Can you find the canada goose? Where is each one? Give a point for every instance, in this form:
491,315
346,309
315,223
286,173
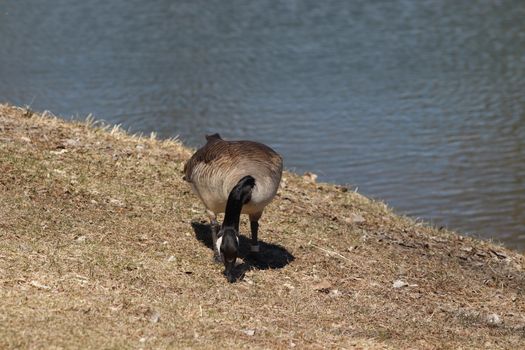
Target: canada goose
243,174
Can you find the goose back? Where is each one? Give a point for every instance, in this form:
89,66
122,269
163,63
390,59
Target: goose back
218,166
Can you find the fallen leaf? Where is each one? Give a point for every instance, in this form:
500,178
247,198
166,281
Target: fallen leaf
355,219
70,142
116,202
335,293
289,286
154,317
399,284
80,238
323,286
249,332
493,320
310,177
39,285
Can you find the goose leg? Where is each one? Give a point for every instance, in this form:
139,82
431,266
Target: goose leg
254,227
214,230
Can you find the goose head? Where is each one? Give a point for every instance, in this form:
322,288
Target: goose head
228,247
228,236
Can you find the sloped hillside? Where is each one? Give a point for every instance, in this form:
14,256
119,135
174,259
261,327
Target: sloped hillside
103,245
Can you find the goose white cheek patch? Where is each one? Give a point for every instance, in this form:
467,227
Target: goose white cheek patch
218,244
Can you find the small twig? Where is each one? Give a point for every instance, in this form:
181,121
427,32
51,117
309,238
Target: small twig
498,255
331,252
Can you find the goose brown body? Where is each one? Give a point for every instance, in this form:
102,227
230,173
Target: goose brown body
217,167
234,177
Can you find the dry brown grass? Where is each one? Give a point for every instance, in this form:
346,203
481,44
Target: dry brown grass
98,250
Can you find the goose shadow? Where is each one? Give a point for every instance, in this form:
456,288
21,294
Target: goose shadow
271,256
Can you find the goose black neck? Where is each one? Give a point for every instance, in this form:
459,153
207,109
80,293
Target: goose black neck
239,195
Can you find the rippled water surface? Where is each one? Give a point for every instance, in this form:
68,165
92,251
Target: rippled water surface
418,103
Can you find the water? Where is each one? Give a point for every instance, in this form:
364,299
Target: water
418,103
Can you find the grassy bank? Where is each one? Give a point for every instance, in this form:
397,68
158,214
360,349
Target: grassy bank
103,245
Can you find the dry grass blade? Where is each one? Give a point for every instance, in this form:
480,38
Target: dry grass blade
334,253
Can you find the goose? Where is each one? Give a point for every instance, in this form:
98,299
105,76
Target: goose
233,177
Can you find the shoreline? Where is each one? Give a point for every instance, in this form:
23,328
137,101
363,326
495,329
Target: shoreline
104,245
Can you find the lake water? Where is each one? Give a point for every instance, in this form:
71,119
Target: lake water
418,103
